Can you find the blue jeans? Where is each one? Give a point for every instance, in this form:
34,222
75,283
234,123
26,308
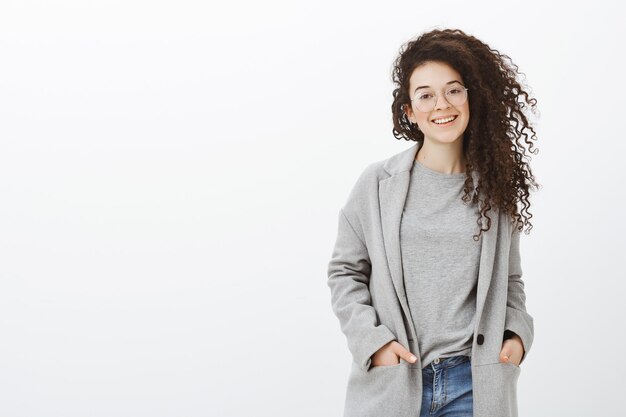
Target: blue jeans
447,388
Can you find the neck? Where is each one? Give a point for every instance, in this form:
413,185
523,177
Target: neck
447,158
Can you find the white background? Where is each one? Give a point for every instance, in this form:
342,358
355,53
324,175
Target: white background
170,179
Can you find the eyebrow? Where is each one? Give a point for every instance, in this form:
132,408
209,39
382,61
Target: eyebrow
427,86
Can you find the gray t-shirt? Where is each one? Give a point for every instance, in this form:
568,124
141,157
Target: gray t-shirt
440,262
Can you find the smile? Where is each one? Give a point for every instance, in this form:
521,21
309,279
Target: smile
446,121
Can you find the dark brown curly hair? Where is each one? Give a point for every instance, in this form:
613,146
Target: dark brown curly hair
492,142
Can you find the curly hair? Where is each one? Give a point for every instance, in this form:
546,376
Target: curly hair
492,141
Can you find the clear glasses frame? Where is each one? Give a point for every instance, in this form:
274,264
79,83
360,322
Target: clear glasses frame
464,99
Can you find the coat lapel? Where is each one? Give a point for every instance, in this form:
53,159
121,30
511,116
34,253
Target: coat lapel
392,192
392,195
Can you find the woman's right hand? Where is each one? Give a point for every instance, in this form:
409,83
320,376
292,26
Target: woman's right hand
390,355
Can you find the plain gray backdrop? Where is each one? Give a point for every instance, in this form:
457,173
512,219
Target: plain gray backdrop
170,179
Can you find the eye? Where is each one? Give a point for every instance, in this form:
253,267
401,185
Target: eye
424,96
454,91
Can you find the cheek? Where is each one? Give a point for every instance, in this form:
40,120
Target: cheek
466,119
422,119
466,115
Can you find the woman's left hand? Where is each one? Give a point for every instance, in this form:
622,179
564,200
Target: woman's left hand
513,349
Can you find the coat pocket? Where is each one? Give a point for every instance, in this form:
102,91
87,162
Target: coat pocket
511,364
495,389
384,390
375,368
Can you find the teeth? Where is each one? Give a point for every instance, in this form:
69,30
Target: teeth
439,121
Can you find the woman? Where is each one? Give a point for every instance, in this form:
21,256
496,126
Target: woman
425,276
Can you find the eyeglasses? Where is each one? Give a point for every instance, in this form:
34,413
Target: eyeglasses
426,100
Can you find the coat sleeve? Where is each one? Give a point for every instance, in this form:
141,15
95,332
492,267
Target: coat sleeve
348,278
518,321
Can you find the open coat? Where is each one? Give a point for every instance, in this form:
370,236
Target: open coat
365,277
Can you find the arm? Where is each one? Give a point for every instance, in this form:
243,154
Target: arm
348,278
518,321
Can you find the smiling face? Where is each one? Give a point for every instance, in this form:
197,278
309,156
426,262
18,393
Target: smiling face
437,77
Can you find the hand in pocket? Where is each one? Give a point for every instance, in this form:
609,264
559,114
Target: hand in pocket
390,355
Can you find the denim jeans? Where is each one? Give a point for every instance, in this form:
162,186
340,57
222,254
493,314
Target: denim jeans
447,388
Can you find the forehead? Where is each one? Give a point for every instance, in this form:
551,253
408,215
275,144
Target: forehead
433,74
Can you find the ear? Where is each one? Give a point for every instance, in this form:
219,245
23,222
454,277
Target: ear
409,113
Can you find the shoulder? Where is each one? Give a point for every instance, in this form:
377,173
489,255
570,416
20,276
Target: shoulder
367,180
382,169
363,195
362,199
369,177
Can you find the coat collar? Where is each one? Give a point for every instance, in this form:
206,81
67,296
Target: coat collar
402,161
392,193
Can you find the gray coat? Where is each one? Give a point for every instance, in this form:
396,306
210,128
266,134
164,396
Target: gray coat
368,297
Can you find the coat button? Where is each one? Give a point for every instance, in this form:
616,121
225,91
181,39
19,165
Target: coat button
480,339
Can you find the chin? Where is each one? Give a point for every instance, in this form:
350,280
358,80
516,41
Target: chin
447,138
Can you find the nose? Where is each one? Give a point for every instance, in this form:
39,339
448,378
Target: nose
445,102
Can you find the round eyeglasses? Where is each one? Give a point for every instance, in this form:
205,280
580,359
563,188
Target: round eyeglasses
426,100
